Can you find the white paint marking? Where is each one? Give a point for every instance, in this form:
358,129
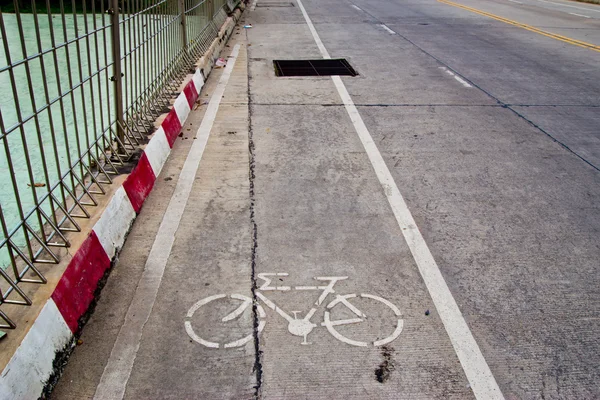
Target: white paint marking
265,286
356,7
568,5
515,1
306,288
118,369
329,325
478,372
329,288
192,334
247,301
237,343
273,307
391,32
310,314
344,300
393,336
384,301
241,342
344,322
462,81
579,15
458,78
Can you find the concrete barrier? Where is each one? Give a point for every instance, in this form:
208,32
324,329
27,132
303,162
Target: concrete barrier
51,335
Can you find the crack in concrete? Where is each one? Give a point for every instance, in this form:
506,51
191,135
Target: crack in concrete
254,231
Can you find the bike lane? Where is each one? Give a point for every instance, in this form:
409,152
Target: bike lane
320,211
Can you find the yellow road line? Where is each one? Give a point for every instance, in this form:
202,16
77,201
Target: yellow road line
525,26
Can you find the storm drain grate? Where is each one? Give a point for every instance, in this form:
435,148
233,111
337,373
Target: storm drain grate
324,67
275,4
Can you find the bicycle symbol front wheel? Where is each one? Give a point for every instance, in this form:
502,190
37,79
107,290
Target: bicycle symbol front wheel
343,299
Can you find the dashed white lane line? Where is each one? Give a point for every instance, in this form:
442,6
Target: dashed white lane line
458,78
118,369
515,1
356,7
476,369
568,5
580,15
391,32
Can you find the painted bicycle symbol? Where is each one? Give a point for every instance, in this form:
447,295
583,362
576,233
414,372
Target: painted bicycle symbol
297,327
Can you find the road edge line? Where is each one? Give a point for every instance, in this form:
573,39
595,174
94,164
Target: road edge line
476,369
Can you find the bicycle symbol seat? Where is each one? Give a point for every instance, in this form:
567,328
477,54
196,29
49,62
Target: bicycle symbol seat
297,327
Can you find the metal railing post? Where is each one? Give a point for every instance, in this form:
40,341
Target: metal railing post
117,75
183,24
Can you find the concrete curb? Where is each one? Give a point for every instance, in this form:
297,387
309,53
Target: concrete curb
29,369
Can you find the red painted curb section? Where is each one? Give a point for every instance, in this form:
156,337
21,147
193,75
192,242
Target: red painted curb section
75,290
139,183
172,126
190,93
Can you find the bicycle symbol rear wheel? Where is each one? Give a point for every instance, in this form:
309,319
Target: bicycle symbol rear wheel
246,302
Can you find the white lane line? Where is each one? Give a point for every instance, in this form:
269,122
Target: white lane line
579,15
357,7
391,32
118,369
568,5
515,1
458,78
476,369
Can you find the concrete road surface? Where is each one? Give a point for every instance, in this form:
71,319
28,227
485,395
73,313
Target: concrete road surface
428,229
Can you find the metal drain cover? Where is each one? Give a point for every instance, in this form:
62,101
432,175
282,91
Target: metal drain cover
275,4
323,67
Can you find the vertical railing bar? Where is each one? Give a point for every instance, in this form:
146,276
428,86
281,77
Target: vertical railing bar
50,114
61,101
106,78
38,205
89,69
82,87
17,103
99,76
70,79
117,77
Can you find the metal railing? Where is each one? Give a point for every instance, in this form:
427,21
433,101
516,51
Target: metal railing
82,83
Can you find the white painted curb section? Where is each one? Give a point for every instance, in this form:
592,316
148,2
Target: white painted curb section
158,150
31,365
113,225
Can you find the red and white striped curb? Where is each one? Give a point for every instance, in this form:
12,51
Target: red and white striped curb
32,364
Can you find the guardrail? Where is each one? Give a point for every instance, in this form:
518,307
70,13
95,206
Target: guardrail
82,83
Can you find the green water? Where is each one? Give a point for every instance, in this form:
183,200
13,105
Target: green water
70,125
70,136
